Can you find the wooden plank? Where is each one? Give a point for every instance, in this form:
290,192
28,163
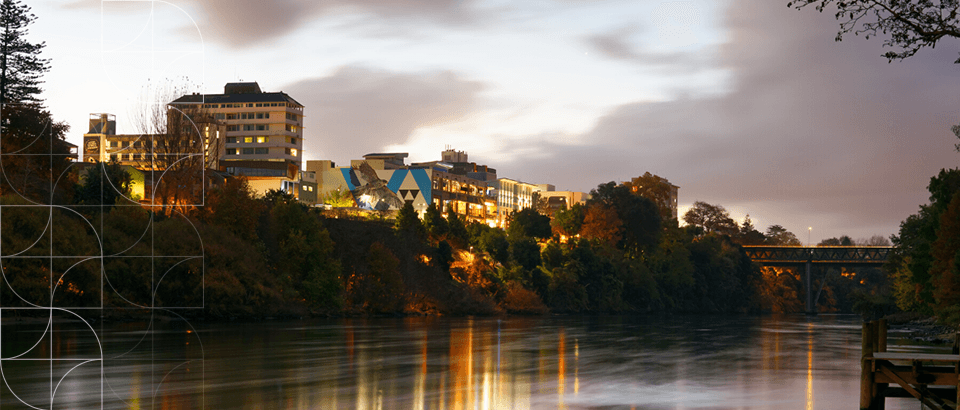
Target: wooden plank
942,392
906,386
906,374
926,357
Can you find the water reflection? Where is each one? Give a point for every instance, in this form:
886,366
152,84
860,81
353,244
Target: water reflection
456,364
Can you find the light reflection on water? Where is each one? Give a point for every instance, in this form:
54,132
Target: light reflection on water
601,362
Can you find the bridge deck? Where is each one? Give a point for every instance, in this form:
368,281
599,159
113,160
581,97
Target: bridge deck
838,255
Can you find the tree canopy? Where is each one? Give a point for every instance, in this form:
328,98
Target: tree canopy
712,218
908,25
20,62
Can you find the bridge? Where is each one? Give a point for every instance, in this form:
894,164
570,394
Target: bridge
807,256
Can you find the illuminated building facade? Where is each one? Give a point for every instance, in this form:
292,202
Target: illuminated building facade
512,196
381,181
102,144
263,134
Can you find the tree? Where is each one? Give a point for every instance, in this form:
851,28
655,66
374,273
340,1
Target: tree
640,216
749,235
601,223
35,154
434,223
103,185
408,223
182,142
657,189
911,25
529,223
945,270
712,218
567,222
778,235
843,240
20,62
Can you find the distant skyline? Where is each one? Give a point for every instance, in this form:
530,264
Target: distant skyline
746,104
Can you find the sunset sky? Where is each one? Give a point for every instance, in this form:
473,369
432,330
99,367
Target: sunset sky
742,103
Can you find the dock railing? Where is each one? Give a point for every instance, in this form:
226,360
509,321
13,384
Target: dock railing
931,378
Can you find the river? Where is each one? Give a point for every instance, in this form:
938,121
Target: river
553,362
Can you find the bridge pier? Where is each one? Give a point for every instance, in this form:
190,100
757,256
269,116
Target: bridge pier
807,256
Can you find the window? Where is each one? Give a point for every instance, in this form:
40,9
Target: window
233,128
248,140
220,116
292,152
259,105
261,140
231,116
136,144
113,144
291,117
249,105
262,151
125,144
231,151
248,127
261,127
259,115
231,140
248,151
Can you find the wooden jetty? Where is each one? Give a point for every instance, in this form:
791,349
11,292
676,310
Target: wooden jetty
931,378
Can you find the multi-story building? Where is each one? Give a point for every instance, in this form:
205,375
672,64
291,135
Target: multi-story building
381,181
200,141
512,196
263,135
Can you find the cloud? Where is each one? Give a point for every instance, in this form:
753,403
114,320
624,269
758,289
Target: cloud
244,23
617,45
812,133
359,110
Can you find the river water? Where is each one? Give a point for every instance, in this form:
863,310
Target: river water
578,362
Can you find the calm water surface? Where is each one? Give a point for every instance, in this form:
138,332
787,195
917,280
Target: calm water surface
606,362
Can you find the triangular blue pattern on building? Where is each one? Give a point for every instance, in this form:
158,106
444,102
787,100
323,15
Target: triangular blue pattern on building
350,178
396,180
423,181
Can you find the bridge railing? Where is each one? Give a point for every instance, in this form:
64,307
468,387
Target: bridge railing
793,255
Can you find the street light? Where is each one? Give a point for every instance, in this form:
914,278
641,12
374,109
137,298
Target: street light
809,232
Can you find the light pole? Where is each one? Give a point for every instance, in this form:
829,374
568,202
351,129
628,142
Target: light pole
809,232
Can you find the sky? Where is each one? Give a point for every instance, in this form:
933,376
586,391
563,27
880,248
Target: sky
747,104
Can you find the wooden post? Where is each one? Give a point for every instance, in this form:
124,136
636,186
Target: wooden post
867,397
881,343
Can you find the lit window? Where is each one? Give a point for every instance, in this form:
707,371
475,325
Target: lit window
261,140
293,152
248,140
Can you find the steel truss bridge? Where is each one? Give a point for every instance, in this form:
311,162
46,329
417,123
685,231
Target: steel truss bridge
807,256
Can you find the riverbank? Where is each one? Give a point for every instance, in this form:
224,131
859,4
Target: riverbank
920,328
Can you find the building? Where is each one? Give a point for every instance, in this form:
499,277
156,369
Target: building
196,140
382,181
263,134
556,200
512,196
